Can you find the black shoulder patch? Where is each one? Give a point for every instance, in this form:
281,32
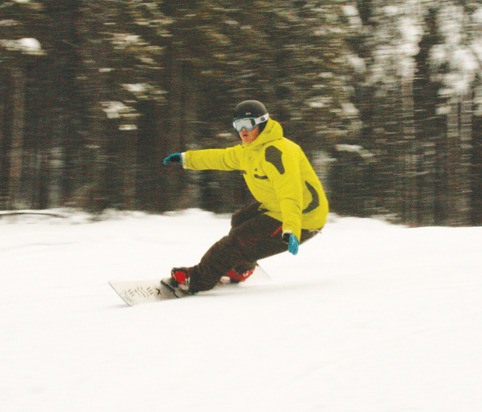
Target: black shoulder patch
274,156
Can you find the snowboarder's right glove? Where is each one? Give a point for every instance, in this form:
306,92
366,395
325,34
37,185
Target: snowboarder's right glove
292,242
173,158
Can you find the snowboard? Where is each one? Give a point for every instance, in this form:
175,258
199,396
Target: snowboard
135,292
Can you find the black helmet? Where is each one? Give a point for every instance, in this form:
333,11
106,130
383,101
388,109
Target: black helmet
249,108
255,111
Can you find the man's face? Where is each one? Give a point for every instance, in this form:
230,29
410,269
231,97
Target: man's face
248,136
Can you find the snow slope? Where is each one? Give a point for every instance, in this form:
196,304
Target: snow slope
367,317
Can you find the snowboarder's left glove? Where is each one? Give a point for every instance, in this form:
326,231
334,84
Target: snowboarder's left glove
173,158
292,242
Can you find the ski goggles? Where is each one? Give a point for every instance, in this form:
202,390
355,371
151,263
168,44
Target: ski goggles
249,123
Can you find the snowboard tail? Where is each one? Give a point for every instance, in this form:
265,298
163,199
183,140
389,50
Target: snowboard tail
138,291
134,292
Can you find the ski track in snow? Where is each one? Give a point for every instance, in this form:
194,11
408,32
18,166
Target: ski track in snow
367,317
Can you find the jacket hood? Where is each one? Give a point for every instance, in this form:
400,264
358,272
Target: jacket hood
272,131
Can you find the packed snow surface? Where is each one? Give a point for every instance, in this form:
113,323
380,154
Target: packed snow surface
368,316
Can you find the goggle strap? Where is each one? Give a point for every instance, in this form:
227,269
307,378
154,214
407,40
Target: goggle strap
262,119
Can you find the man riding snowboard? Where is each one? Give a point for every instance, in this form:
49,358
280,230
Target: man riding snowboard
290,207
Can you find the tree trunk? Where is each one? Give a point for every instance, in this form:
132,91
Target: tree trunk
3,144
411,189
465,187
172,177
18,104
129,160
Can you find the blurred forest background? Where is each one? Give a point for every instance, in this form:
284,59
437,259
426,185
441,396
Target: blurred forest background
384,96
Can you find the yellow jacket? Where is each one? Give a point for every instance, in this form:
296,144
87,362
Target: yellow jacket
277,173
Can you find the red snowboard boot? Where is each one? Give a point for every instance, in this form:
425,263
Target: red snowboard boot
237,275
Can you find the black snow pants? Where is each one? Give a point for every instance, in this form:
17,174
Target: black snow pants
253,236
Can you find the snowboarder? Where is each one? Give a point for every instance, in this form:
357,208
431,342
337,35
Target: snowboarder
290,207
